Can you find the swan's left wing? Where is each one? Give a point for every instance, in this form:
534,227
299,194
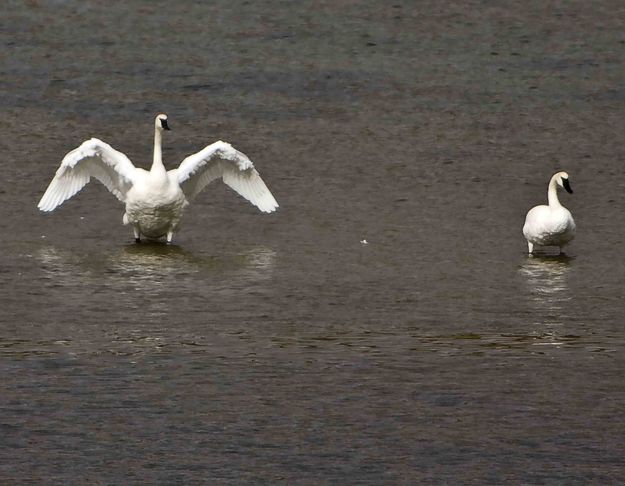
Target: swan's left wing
220,159
93,158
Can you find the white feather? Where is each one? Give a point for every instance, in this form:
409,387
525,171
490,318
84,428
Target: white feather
551,225
155,200
220,159
93,158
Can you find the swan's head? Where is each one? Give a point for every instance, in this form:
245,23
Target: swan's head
161,122
562,179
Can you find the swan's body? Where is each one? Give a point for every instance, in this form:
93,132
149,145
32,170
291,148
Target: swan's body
550,225
155,199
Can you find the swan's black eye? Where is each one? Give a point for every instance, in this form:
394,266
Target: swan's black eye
164,124
567,186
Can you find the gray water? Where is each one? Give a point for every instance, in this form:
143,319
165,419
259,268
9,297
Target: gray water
279,348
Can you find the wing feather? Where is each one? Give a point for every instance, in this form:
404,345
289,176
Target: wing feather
220,159
93,158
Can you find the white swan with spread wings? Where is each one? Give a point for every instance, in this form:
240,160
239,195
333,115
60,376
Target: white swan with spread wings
155,199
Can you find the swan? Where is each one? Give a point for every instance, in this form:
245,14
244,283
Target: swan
155,199
550,225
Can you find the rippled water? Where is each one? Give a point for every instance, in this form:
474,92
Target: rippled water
280,348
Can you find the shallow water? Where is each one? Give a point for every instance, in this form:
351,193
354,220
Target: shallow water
279,348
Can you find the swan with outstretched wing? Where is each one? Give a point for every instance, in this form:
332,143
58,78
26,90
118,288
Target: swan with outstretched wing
155,199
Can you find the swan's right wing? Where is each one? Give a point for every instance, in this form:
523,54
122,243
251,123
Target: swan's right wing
93,158
220,159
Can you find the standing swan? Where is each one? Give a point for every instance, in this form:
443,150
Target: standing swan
155,199
550,225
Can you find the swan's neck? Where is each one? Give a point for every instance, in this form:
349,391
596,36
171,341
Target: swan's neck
157,163
552,194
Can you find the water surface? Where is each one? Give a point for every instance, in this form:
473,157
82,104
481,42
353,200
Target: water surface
279,348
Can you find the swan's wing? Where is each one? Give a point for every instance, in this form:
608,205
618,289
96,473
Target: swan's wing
220,159
93,158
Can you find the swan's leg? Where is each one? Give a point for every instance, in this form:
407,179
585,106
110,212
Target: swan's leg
135,230
170,235
530,247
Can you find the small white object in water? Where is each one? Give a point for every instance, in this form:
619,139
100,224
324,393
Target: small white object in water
155,199
364,242
550,225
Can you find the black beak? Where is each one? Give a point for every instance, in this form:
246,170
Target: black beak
567,186
165,125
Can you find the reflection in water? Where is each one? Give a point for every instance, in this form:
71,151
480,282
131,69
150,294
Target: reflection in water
62,268
545,278
146,261
150,265
151,280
